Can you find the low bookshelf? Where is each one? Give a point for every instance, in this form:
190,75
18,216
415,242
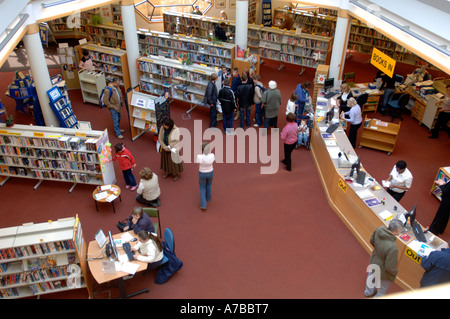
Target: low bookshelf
443,173
379,135
56,154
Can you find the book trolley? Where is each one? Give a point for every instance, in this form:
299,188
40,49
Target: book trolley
92,82
43,258
56,154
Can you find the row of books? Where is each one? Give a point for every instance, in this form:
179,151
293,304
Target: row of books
110,42
49,154
46,286
34,276
61,175
112,69
187,46
28,141
48,163
105,57
104,32
9,170
37,249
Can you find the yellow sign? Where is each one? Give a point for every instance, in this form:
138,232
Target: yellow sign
383,62
342,185
79,134
413,255
38,134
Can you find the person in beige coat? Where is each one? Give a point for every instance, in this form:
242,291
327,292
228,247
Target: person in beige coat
169,137
112,98
148,190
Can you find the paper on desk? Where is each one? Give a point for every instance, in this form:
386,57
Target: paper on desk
126,237
128,267
385,214
421,247
330,143
385,183
334,151
111,197
364,193
105,187
101,195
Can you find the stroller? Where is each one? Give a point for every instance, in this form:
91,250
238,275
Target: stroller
304,136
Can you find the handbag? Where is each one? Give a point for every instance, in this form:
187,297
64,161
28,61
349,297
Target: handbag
122,224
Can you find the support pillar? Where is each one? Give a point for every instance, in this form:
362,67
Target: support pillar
39,71
131,39
340,43
241,26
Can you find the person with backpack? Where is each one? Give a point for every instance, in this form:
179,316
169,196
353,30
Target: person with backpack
228,102
257,99
111,97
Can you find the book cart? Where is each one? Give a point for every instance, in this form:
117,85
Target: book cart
43,258
56,154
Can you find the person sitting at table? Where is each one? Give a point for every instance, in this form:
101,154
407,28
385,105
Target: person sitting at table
148,191
342,99
354,117
139,221
150,249
400,181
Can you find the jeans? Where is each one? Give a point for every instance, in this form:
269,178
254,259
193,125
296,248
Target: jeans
116,121
246,111
213,116
227,121
388,94
302,139
205,181
288,148
270,122
258,114
129,177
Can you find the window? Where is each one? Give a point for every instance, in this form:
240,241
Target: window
154,9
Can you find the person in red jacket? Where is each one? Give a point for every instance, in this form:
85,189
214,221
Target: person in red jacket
127,163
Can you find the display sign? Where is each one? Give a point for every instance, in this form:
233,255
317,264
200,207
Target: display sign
383,62
342,185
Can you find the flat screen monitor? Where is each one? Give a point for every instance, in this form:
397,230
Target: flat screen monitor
329,116
356,166
411,216
112,246
329,83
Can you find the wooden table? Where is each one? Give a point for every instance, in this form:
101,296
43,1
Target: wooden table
114,190
96,255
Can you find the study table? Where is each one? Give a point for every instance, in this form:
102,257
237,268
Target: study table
95,257
347,199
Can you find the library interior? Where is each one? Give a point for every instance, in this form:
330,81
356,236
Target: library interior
296,136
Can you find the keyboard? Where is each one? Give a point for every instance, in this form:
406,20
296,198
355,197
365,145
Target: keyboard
127,248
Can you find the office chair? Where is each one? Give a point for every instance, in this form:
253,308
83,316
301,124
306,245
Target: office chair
349,75
168,237
395,106
362,99
154,213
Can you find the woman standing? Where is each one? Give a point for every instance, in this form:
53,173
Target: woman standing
148,190
205,174
150,249
303,97
342,100
289,137
169,137
354,117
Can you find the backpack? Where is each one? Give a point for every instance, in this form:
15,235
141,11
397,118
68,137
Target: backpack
100,100
262,88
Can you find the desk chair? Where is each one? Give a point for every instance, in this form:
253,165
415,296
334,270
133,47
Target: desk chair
362,99
154,213
395,106
168,237
347,76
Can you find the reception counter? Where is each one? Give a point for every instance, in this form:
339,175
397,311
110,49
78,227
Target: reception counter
363,208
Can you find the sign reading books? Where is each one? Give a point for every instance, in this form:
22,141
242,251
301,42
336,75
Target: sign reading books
383,62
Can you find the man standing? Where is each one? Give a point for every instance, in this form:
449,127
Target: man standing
112,98
437,267
272,101
228,102
389,89
211,99
400,180
244,96
384,259
440,220
443,117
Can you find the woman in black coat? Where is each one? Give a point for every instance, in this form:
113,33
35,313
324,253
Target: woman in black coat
442,215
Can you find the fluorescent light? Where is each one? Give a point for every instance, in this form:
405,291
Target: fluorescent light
55,3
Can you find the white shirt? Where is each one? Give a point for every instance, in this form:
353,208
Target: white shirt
404,179
149,189
355,116
206,162
149,252
344,96
290,107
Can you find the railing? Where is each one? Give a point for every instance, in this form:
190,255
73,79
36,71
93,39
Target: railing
154,12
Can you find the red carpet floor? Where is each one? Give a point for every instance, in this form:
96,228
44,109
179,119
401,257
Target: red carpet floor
262,236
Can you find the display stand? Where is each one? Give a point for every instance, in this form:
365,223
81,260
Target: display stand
37,259
443,173
92,83
62,108
267,13
379,135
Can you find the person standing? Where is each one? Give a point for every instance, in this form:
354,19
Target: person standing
354,117
244,96
222,75
148,191
169,137
289,135
384,257
211,99
272,101
113,100
437,267
228,103
440,220
86,62
257,99
443,117
342,100
205,174
389,89
303,97
400,181
126,163
234,85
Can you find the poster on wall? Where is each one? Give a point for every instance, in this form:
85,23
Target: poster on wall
220,4
232,4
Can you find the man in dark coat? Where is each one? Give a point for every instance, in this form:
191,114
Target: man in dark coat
440,221
228,103
437,267
211,99
244,95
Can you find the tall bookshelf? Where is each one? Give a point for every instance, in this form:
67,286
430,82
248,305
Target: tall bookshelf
110,35
252,11
56,154
113,62
197,50
43,258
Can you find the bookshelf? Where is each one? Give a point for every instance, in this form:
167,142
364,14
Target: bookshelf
113,62
252,9
444,173
62,108
92,82
267,13
379,135
197,50
109,35
61,28
319,78
56,154
159,75
43,258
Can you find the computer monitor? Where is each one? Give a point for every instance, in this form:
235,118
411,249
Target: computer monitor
329,83
111,249
417,229
356,166
329,115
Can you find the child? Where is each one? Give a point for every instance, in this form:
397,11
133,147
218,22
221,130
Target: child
303,133
290,107
127,163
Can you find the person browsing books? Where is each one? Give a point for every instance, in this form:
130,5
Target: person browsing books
112,98
86,62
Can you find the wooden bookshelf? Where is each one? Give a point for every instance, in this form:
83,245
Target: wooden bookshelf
110,35
321,73
198,50
252,10
61,30
56,154
92,82
443,173
113,62
43,258
379,135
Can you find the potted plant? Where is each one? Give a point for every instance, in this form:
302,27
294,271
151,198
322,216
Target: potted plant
9,121
96,19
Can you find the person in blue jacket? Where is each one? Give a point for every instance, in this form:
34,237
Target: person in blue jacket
138,221
303,97
437,267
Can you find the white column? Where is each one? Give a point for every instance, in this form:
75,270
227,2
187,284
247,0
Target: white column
131,39
241,25
39,72
340,42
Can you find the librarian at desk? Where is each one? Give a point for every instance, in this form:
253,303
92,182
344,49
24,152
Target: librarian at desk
400,181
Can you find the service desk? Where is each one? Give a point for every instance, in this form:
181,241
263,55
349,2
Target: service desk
347,199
